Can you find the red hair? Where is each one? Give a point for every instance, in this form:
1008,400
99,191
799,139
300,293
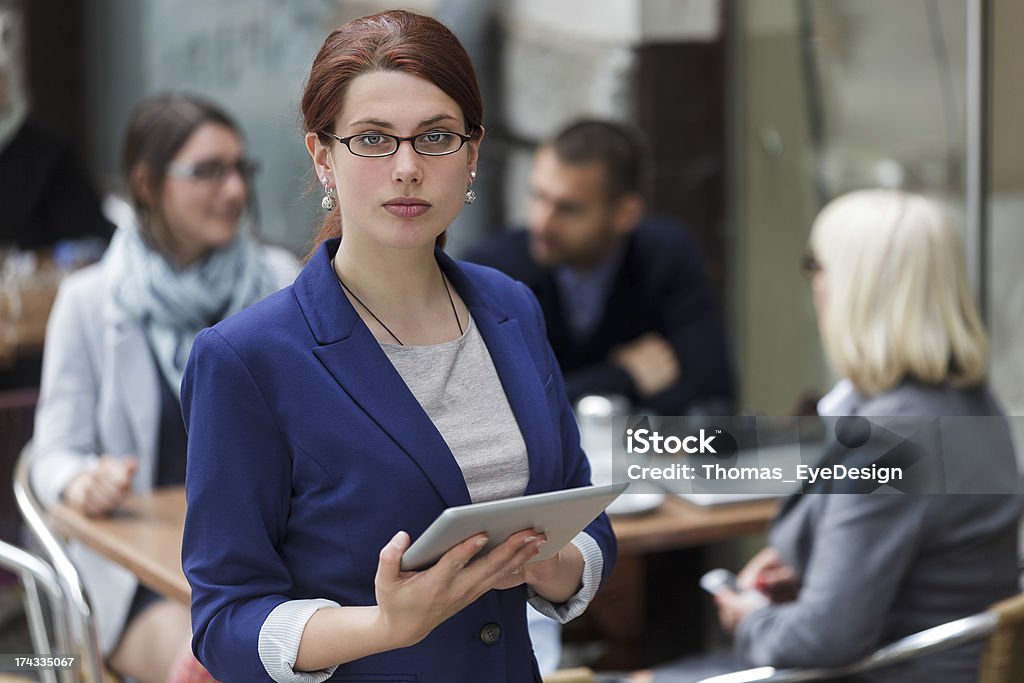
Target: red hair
394,40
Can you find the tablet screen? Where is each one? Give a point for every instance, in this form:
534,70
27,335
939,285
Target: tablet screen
559,514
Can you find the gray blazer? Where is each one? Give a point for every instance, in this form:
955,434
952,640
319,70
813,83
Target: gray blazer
100,395
876,567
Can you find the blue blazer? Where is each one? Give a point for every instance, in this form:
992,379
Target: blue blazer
307,453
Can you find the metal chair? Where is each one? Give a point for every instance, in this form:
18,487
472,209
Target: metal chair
34,573
1002,660
79,632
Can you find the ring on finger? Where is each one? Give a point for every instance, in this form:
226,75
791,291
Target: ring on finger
517,570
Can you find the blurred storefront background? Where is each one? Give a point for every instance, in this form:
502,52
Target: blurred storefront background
757,112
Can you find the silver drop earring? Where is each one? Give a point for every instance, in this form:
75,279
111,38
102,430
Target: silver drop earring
330,200
470,194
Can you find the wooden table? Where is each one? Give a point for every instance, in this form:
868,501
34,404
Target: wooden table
145,534
678,524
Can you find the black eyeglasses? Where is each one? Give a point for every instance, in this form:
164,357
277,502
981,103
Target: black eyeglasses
437,143
810,265
213,170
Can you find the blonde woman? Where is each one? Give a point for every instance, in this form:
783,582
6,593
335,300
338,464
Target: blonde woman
848,572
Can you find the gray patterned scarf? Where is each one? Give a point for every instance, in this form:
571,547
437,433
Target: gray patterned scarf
174,304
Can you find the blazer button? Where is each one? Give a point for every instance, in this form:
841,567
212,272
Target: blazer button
490,634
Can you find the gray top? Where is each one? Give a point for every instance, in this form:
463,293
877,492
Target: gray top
456,384
876,567
458,387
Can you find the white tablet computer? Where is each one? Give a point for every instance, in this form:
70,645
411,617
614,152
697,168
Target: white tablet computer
559,514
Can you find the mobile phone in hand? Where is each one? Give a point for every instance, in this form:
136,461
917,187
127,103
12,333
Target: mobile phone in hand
716,579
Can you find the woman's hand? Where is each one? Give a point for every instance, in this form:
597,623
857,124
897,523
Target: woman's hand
733,607
412,604
555,579
767,573
103,488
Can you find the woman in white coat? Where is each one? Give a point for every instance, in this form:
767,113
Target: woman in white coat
109,417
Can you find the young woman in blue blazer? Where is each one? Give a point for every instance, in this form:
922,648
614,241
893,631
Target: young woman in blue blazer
335,419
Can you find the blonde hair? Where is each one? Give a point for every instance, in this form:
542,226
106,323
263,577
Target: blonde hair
897,303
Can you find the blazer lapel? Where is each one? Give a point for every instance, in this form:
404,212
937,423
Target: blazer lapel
350,353
519,378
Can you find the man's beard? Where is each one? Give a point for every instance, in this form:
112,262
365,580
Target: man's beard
583,259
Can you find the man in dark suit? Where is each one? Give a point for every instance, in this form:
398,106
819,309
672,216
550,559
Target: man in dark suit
628,307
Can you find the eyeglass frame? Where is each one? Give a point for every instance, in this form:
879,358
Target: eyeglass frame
810,265
411,139
245,167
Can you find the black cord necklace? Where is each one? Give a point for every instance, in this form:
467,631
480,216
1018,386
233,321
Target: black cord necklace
447,291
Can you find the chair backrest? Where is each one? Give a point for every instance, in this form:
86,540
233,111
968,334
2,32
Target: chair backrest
82,628
1002,660
936,639
35,573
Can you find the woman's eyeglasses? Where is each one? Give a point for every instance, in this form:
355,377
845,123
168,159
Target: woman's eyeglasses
810,265
213,171
437,143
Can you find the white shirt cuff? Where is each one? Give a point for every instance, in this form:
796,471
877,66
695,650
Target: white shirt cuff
279,641
593,566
